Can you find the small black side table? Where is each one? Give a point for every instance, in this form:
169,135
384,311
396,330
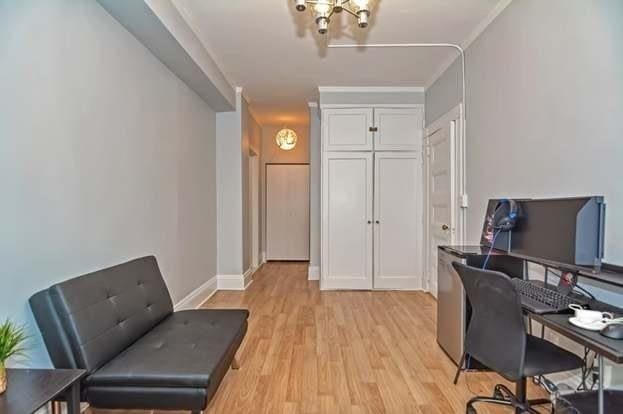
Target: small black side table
30,389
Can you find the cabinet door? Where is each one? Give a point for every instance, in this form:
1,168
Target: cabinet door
397,221
398,129
347,221
347,129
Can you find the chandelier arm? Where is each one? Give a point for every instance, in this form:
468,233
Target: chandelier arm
349,11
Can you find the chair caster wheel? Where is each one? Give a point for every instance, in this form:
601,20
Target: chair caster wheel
470,410
498,395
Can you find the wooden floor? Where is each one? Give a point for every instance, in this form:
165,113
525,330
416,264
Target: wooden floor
308,351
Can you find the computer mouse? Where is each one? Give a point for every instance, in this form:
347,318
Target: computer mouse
613,330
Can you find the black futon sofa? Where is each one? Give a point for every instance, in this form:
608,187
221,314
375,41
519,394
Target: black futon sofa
118,324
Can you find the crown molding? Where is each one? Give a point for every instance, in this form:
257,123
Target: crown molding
480,28
371,89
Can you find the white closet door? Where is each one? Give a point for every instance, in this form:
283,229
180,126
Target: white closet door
287,212
347,220
347,129
398,129
397,221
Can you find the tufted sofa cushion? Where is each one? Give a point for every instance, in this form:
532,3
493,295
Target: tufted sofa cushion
184,350
104,312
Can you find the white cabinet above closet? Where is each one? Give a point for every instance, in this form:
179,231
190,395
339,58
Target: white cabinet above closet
398,129
347,129
372,129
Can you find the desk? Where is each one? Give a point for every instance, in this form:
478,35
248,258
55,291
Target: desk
602,346
516,266
30,389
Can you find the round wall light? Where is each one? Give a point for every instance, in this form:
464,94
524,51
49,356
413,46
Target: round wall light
286,139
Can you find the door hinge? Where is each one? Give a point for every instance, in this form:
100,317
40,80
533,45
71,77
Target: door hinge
373,129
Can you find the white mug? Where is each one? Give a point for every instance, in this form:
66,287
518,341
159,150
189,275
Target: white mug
590,316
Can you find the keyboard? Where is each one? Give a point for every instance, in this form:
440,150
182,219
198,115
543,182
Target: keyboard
540,299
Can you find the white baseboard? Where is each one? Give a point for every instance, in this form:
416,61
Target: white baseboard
195,298
262,258
236,282
230,282
313,273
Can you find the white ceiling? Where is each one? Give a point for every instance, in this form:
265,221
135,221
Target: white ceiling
274,53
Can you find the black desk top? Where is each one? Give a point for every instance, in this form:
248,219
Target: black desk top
606,274
472,250
30,389
609,348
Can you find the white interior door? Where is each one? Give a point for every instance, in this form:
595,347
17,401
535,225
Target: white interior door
347,221
441,194
287,212
397,221
398,129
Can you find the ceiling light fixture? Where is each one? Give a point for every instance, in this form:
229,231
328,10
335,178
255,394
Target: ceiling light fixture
286,139
323,10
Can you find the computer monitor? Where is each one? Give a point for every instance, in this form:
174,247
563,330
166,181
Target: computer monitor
563,230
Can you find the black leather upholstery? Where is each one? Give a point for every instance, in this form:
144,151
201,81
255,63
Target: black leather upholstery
105,311
182,351
118,324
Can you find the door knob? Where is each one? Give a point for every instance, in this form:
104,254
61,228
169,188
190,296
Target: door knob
369,221
445,227
378,222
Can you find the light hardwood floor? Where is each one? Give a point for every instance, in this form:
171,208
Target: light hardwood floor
308,351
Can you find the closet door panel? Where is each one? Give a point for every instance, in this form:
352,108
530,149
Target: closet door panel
347,129
397,221
347,221
398,129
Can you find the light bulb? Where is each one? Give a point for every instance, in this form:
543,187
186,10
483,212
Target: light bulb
362,19
362,4
300,5
323,25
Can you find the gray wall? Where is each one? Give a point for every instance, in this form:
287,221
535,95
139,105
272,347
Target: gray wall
104,156
229,184
544,107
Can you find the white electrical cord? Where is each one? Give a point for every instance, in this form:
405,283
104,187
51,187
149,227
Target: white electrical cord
463,89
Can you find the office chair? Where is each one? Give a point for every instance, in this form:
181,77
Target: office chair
496,336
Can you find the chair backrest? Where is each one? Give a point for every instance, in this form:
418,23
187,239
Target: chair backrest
496,334
88,320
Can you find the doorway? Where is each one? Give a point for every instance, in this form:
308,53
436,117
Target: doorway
445,203
287,212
